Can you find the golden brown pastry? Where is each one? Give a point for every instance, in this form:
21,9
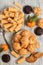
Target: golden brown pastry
17,4
12,19
32,39
3,21
23,51
17,38
31,48
16,46
20,60
15,54
6,12
37,10
24,42
40,22
34,56
38,54
18,27
31,59
2,16
26,33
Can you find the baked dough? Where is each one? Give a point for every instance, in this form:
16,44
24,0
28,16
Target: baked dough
25,42
23,51
12,19
16,46
17,37
40,22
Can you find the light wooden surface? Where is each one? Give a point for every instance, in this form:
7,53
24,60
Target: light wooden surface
5,3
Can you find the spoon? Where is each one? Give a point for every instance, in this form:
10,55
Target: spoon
9,46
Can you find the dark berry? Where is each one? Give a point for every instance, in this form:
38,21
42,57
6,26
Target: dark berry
6,58
27,9
38,31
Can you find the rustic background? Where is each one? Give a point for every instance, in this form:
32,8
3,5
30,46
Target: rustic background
6,3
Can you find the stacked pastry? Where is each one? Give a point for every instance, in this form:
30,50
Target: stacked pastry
25,42
12,19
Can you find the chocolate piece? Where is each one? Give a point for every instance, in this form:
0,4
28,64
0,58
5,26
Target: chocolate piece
38,31
5,58
27,9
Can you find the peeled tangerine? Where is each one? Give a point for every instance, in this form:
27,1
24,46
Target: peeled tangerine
31,24
4,47
23,51
16,46
24,42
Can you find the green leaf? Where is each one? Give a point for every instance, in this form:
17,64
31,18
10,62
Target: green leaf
1,49
28,18
34,18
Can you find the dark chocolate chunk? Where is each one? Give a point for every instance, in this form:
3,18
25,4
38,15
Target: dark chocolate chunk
38,31
5,58
27,9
